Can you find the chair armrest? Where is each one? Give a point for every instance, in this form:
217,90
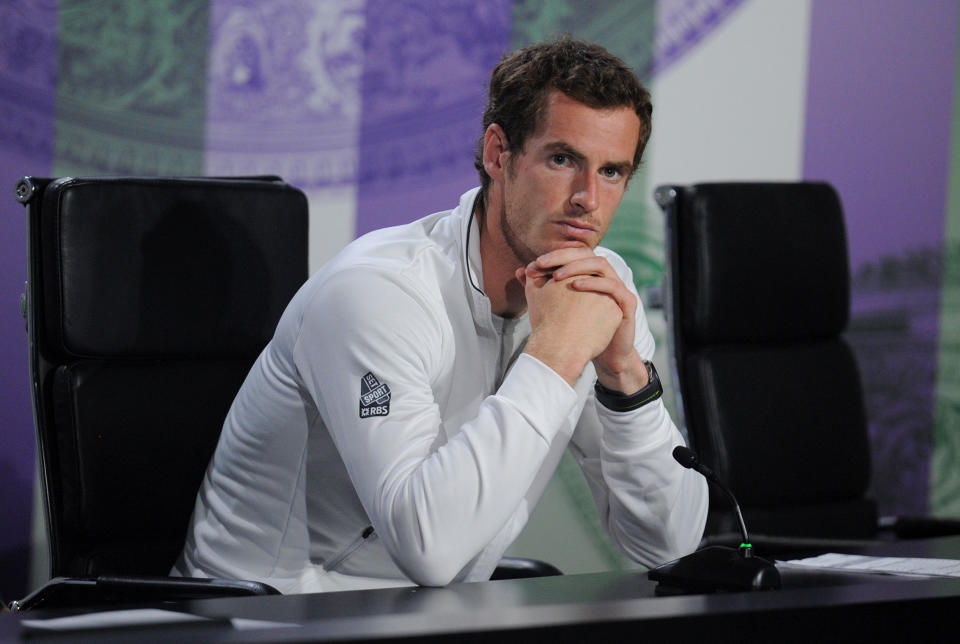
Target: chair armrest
919,527
64,592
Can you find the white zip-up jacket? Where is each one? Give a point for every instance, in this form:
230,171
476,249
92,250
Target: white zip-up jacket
393,432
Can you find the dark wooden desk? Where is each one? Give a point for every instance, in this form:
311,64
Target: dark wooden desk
810,608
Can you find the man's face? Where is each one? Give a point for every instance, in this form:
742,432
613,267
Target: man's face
562,190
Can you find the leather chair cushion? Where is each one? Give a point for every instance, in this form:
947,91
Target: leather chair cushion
781,424
135,439
792,284
194,299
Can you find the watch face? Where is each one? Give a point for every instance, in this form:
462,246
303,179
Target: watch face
652,371
654,389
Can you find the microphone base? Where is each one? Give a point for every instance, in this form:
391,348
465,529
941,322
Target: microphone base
716,569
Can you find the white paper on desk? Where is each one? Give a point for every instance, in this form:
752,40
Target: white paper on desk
111,619
925,567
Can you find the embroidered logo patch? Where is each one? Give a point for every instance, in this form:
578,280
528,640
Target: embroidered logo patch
374,396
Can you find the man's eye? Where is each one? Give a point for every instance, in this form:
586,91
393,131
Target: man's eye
560,159
611,173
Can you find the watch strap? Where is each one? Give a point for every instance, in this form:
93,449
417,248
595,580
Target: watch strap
619,401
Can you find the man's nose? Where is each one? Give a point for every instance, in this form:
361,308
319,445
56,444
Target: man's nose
585,196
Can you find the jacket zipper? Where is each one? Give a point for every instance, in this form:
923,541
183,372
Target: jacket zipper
349,549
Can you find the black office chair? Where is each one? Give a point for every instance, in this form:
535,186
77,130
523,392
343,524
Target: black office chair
147,302
757,294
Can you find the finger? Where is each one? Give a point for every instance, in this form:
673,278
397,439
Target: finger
525,278
596,266
612,287
534,271
536,278
562,256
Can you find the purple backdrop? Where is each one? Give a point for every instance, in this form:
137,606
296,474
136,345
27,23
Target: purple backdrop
28,62
879,104
423,92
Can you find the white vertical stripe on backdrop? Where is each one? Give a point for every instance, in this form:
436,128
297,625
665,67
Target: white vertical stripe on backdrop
733,107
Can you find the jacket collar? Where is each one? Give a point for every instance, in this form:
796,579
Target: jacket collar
472,264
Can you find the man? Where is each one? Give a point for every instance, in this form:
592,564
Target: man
421,388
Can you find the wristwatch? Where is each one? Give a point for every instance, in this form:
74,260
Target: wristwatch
619,401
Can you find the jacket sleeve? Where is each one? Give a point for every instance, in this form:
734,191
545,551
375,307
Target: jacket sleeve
653,508
435,503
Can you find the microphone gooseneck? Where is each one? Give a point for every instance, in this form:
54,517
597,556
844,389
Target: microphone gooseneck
688,458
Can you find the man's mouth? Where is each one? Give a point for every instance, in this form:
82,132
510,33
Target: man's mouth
578,230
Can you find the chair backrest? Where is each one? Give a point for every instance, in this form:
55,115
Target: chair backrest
757,299
147,302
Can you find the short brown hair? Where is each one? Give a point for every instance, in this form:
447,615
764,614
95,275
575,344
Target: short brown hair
588,73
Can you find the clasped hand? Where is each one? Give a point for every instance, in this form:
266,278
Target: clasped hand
580,310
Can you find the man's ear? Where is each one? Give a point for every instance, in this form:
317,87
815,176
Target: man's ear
495,151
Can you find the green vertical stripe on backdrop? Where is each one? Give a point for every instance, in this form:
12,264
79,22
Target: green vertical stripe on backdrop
131,85
945,468
626,29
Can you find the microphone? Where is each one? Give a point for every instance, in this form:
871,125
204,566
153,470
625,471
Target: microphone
688,458
715,568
